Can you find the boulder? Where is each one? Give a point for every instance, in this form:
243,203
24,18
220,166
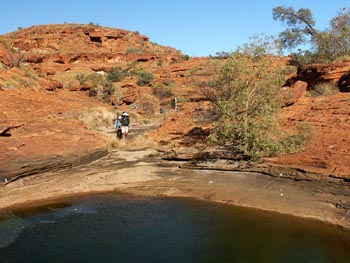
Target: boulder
344,82
290,95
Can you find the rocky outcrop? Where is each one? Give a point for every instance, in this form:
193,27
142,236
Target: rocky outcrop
334,72
75,47
328,150
36,165
6,58
45,126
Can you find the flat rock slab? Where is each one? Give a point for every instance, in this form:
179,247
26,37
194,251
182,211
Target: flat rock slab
24,167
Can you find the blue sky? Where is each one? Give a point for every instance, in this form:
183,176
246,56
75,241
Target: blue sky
196,27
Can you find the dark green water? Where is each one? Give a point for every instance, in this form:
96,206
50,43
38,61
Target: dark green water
112,228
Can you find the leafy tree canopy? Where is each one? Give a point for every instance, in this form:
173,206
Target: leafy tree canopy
326,45
246,101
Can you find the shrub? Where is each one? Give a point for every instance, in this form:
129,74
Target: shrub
81,78
132,50
144,78
182,99
94,118
29,72
138,142
185,57
93,24
96,83
302,58
107,91
149,104
344,58
162,92
99,86
2,65
244,96
324,89
115,74
298,140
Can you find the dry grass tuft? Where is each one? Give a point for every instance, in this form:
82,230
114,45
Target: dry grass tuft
324,89
139,142
94,118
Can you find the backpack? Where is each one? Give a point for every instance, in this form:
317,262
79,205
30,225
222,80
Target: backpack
125,121
119,133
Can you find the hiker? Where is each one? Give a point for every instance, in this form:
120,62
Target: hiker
118,127
125,124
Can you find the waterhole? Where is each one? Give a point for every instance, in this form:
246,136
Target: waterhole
117,228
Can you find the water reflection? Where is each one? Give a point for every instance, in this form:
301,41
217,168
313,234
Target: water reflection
112,228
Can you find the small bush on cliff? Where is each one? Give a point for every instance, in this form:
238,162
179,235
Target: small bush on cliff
81,78
185,57
144,78
115,74
149,104
99,86
162,91
133,50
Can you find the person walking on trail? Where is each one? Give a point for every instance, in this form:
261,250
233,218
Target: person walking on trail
118,127
125,124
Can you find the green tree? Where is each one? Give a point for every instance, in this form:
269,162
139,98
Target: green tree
300,25
245,95
326,45
245,98
335,42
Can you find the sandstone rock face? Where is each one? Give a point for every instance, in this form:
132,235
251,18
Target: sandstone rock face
328,152
68,47
6,57
334,72
45,126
